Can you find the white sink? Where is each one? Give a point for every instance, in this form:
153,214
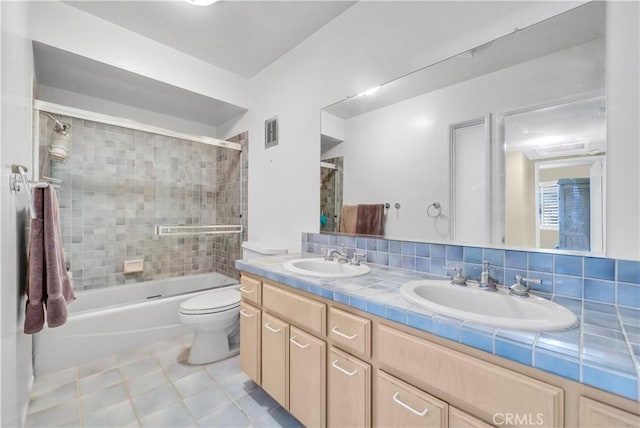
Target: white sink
493,308
321,268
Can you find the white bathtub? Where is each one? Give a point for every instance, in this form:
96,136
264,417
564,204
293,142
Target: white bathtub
120,318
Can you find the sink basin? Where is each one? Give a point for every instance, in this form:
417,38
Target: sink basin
321,268
493,308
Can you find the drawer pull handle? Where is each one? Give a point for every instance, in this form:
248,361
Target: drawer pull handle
299,345
268,326
408,407
346,336
244,290
347,372
243,313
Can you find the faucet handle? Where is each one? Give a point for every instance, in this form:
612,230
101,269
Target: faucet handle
356,259
522,290
458,278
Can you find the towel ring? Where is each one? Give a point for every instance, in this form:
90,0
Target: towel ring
434,210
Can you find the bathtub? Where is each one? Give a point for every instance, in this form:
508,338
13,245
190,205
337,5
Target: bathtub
118,319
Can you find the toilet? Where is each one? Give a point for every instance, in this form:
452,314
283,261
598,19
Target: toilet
215,318
215,315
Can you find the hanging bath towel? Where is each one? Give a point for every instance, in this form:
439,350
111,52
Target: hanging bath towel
49,288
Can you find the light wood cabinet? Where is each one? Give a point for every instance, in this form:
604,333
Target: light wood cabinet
250,353
251,290
486,387
594,414
398,404
351,332
333,366
275,358
460,419
307,379
349,391
304,312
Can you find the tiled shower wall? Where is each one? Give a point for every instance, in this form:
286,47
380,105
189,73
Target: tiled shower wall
331,194
118,183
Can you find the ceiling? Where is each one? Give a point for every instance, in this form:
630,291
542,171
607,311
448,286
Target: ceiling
64,70
243,37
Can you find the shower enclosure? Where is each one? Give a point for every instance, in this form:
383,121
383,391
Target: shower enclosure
118,183
331,178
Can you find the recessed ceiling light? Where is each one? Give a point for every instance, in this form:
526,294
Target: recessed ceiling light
201,2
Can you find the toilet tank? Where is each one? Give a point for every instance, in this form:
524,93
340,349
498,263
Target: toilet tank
256,249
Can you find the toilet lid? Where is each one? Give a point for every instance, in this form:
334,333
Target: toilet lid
212,301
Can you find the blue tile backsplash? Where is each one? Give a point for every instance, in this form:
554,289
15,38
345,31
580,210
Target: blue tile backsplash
590,278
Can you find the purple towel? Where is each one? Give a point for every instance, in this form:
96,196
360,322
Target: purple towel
48,282
370,220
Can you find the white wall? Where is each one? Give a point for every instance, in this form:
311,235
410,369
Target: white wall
15,147
400,153
623,131
68,28
370,43
99,105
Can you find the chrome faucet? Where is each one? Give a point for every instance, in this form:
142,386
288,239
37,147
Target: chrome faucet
522,290
458,278
486,281
342,256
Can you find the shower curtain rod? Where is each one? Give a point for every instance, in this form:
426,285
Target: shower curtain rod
48,107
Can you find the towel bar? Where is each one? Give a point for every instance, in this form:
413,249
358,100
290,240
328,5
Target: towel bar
19,179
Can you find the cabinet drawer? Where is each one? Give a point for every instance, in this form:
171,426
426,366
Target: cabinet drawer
352,332
594,414
460,419
349,391
251,289
306,313
487,388
399,405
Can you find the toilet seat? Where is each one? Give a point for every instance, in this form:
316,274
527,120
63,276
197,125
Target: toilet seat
211,302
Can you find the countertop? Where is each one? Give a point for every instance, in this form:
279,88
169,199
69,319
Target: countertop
598,352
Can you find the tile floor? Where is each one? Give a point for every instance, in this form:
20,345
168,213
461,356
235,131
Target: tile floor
153,387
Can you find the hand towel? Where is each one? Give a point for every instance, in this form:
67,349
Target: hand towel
370,220
48,285
349,218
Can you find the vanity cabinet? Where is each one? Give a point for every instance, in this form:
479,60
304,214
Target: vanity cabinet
331,365
595,414
250,339
349,389
275,358
398,404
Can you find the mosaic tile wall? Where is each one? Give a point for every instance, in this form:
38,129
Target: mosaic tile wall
589,278
117,183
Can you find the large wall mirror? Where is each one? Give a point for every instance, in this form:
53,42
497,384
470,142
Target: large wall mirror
501,145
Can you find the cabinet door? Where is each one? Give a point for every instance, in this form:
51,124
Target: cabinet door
460,419
250,341
594,414
275,358
307,368
349,389
251,289
399,404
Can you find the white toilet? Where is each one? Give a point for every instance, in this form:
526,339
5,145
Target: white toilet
215,317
